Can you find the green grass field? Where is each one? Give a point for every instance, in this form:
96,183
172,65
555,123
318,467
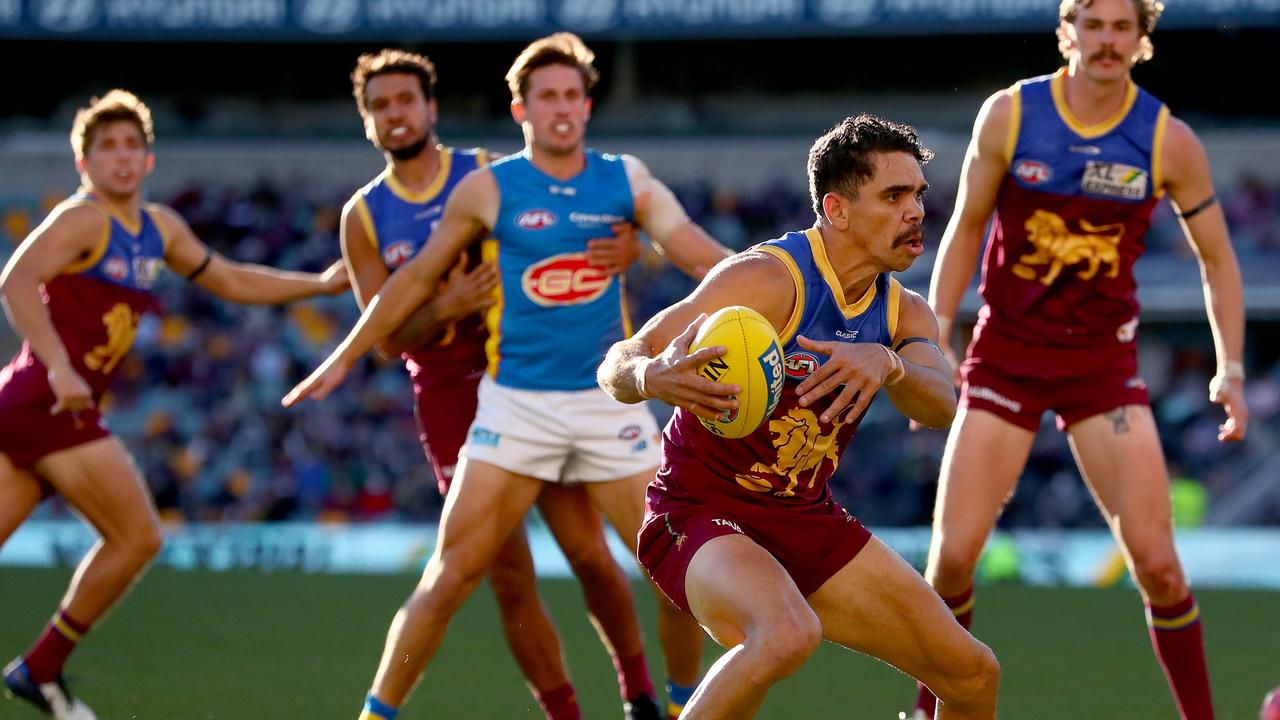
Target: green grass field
197,646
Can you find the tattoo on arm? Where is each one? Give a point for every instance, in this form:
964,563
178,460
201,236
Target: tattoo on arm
1119,420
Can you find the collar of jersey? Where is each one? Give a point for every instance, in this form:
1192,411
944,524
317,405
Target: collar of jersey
832,279
1057,85
432,190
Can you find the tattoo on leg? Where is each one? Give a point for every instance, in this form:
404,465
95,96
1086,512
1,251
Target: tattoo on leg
1119,420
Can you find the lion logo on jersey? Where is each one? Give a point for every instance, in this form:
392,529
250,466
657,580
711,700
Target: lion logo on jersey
802,449
1057,247
121,324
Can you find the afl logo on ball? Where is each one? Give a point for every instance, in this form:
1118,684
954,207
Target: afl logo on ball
397,252
1033,172
566,279
535,219
800,365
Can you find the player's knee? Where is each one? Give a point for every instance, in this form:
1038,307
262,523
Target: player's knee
451,577
513,583
143,543
1160,576
973,682
786,643
591,563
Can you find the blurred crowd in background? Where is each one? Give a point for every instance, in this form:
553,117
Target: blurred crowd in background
197,402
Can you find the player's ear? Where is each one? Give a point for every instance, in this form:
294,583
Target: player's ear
836,207
588,108
433,111
151,162
517,112
79,164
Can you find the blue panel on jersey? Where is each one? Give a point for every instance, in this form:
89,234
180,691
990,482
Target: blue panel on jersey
1057,154
129,260
559,314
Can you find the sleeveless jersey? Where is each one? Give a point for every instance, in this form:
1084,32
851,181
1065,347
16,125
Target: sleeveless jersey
398,222
557,315
1070,218
96,302
790,458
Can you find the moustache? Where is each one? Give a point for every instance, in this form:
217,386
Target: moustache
1106,54
915,234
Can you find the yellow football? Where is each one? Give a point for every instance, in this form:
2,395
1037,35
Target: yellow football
752,361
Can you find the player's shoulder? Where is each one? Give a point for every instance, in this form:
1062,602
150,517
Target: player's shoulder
165,217
79,212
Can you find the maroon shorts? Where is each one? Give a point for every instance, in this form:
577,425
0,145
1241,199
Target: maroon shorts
811,545
27,431
1018,382
444,413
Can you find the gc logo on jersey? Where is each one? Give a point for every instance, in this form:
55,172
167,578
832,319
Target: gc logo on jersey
566,279
801,364
1114,179
1033,172
537,219
397,252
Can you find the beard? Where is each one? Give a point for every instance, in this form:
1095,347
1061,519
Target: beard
410,151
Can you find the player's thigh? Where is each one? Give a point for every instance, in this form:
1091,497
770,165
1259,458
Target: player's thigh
484,505
879,605
20,493
573,520
984,456
622,502
1120,457
735,588
100,480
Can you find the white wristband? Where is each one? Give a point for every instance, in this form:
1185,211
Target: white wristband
1231,370
896,371
639,375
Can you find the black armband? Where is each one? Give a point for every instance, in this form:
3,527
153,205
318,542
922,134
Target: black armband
1199,208
912,341
204,265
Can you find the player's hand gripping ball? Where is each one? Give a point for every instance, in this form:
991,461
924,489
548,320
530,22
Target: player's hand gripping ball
1271,706
752,361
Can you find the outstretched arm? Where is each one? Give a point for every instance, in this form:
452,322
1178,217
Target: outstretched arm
468,212
245,283
71,233
1190,187
985,163
660,214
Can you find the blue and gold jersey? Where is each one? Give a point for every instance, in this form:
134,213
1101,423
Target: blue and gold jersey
790,458
1070,217
398,223
557,315
397,220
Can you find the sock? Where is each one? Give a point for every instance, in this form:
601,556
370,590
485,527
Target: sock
375,709
560,703
677,697
1179,644
633,677
49,653
962,607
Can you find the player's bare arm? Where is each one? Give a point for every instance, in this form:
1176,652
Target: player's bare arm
660,214
985,163
244,283
70,234
472,209
1188,182
925,392
461,294
656,362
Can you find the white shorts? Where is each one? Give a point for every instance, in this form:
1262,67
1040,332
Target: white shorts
573,436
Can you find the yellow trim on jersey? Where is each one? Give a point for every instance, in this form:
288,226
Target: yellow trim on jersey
366,220
1015,123
627,328
437,183
152,210
482,158
833,280
797,309
96,254
493,316
1157,152
1057,86
895,298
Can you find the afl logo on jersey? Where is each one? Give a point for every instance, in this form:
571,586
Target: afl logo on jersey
116,268
397,252
800,365
535,219
1033,172
566,279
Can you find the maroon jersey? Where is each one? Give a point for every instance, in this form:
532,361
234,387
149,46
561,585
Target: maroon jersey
789,459
1070,218
95,305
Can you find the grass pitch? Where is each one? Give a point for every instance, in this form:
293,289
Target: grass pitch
245,646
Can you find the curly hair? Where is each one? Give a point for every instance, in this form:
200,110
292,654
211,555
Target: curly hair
1148,15
390,61
115,106
841,160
